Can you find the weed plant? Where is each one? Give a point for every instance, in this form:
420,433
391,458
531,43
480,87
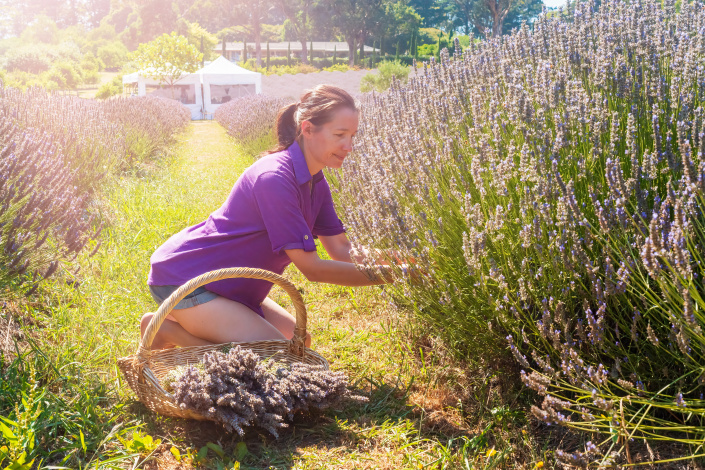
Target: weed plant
549,188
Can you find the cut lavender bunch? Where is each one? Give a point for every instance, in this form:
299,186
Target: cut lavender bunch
238,389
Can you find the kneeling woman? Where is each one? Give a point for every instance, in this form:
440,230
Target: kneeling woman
270,219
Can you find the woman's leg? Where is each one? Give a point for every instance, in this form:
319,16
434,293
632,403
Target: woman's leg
281,319
170,334
222,321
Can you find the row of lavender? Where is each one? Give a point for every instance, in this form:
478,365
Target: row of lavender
550,186
250,119
55,152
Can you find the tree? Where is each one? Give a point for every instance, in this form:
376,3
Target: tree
432,12
251,15
522,10
298,16
202,39
399,24
245,19
167,58
489,17
355,19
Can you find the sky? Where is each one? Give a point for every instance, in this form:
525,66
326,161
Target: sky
554,3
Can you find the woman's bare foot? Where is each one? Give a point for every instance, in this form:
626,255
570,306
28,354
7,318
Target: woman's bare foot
160,340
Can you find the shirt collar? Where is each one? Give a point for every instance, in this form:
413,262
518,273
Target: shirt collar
303,175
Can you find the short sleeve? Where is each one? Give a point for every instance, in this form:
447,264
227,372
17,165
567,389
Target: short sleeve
277,199
327,222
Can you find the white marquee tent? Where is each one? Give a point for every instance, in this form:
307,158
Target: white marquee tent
223,81
204,90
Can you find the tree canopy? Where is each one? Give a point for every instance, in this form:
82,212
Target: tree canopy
167,58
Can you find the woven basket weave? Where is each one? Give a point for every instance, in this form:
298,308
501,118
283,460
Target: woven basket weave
146,369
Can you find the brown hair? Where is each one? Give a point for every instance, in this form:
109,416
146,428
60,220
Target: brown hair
317,105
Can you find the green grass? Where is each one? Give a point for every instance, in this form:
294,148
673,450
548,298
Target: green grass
425,410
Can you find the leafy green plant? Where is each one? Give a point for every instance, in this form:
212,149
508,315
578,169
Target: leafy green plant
142,444
111,88
388,70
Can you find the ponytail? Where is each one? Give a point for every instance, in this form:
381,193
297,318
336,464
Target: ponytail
285,127
317,106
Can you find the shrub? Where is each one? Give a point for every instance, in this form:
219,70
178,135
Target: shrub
65,75
111,88
99,138
30,59
279,61
339,68
322,62
113,55
280,69
42,217
549,187
382,80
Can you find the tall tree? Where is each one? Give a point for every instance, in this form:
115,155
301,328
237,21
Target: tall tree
252,14
355,19
489,17
433,12
522,10
399,24
297,13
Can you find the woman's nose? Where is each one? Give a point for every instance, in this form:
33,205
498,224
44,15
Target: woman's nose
347,145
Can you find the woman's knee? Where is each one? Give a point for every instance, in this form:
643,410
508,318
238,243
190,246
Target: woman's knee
144,322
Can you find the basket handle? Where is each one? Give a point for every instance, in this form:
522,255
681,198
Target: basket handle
297,342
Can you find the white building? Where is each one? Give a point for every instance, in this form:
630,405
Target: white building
233,50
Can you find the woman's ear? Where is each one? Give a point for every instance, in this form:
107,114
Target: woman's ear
306,128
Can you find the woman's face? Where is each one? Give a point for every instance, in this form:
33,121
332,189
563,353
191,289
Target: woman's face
328,145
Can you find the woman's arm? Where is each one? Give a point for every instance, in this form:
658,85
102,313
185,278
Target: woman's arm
339,248
336,271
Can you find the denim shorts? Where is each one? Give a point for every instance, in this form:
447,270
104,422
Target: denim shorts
197,297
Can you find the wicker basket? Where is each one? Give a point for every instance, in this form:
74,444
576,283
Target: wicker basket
145,369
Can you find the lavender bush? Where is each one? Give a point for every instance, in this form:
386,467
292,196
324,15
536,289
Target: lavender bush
549,185
238,389
56,149
41,210
250,118
98,137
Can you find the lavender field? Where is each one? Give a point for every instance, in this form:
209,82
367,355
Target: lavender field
550,187
546,187
56,152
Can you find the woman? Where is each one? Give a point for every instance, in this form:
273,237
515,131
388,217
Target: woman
270,219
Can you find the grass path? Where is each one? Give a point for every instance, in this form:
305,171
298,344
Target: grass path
415,417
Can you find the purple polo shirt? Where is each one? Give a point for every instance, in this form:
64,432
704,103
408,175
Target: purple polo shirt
275,205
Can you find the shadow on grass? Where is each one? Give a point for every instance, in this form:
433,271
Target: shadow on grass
350,430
